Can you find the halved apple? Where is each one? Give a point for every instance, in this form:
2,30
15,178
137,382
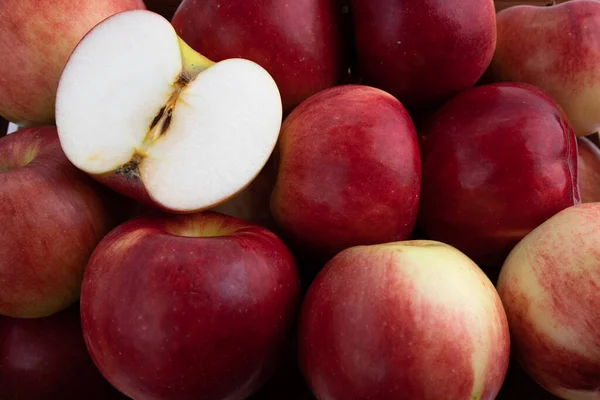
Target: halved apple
146,115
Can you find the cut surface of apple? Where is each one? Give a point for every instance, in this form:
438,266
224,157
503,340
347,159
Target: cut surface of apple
136,102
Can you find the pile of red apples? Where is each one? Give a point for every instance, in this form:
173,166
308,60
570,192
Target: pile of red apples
299,200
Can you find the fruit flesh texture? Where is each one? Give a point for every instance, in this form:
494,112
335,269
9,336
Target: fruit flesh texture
177,134
37,39
377,318
498,160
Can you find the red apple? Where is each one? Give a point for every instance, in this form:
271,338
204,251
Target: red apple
407,320
38,37
189,306
423,51
498,160
588,167
301,43
46,358
549,288
349,171
53,216
166,8
556,48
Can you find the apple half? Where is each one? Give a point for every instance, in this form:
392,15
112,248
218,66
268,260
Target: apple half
145,114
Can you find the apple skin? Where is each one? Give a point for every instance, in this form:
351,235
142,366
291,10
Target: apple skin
38,37
423,51
556,48
189,306
549,288
405,320
302,44
53,216
46,358
498,160
349,171
588,167
166,8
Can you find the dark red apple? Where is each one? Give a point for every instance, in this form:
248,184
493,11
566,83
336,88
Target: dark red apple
588,165
498,160
302,44
349,171
46,358
423,51
53,216
189,306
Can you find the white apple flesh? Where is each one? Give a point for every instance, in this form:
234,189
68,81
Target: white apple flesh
136,102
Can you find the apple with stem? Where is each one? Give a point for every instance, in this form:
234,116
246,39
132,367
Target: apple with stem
53,216
423,51
303,44
556,48
549,288
180,132
349,171
46,358
406,320
189,306
37,39
498,160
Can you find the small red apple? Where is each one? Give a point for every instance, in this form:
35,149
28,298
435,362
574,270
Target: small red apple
46,358
189,306
349,171
423,51
53,216
498,160
407,320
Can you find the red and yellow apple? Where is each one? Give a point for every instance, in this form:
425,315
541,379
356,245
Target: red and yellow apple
349,171
407,320
46,358
498,160
557,48
588,167
302,44
53,216
549,288
38,37
189,306
423,51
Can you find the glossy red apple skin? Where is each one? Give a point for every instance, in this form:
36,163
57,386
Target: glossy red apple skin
556,48
171,316
166,8
46,358
408,320
423,51
53,216
588,164
349,171
302,44
498,160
